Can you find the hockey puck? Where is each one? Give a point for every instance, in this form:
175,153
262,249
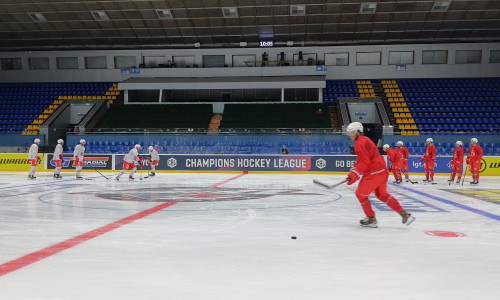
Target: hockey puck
294,237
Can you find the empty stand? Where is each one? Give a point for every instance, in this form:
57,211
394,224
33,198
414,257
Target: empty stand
25,106
275,116
158,116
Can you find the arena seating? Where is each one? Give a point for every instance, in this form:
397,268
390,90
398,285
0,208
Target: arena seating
22,103
289,115
339,88
453,105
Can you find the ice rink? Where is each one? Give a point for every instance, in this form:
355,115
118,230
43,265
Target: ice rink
228,236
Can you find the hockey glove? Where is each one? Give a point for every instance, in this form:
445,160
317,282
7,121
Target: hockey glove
61,157
38,158
352,177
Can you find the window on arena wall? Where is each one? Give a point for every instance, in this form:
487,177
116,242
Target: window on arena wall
11,63
401,57
495,56
468,57
434,56
186,61
368,58
96,62
67,62
141,96
301,95
214,61
337,59
39,63
244,60
125,62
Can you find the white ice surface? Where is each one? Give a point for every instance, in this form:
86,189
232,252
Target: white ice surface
222,246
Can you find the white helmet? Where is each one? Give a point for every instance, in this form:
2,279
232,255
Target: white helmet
386,146
36,141
429,140
59,141
137,146
474,140
82,141
150,148
459,143
399,143
355,126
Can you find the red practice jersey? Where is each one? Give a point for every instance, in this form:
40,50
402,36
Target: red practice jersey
430,153
394,156
475,152
368,161
458,155
404,152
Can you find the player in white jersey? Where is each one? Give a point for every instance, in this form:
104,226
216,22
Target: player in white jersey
33,158
154,159
129,162
58,158
78,156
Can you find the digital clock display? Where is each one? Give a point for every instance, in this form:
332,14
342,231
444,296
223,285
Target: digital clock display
266,43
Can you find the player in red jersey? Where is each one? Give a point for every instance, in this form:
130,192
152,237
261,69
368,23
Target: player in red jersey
372,165
430,159
395,162
457,162
474,157
405,153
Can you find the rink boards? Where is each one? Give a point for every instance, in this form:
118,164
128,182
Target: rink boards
490,165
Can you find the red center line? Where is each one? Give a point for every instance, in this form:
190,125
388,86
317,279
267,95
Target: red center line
31,258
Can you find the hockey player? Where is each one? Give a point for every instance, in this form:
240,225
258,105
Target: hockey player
154,159
129,162
395,162
457,162
58,158
370,163
405,153
33,158
474,157
430,159
78,156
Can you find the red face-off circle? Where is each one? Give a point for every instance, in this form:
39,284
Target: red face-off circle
445,233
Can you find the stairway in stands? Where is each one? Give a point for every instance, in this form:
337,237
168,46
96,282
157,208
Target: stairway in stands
335,117
213,127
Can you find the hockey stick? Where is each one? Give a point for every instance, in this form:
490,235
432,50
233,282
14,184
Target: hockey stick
328,186
149,166
412,182
100,173
140,177
465,173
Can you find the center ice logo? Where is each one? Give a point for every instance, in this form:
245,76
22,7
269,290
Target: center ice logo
172,162
320,163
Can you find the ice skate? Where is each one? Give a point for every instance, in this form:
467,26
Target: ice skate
31,177
57,176
451,180
117,178
458,181
407,218
131,178
79,177
369,222
152,174
475,182
407,179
